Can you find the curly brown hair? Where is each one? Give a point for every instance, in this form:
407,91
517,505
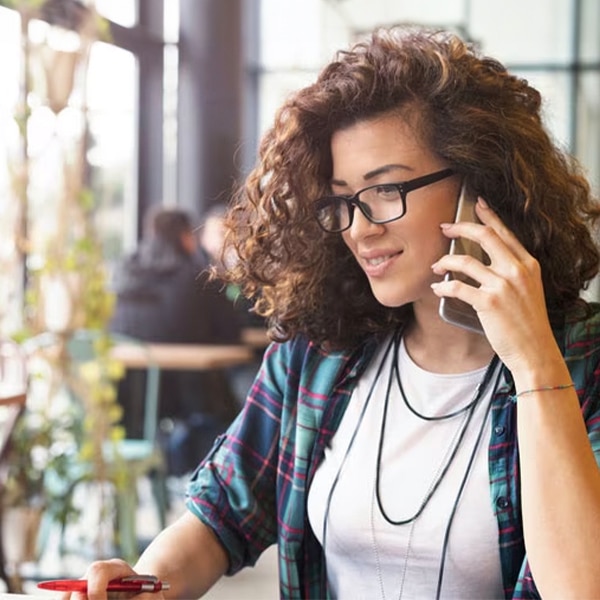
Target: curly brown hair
485,122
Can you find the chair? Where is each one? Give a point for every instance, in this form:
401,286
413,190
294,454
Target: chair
139,457
12,403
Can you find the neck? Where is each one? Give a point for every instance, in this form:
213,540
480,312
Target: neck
444,348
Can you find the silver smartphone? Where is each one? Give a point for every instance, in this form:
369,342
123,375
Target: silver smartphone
453,310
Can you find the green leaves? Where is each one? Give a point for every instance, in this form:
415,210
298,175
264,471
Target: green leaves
22,4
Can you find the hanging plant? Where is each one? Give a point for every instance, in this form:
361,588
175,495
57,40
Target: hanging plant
72,413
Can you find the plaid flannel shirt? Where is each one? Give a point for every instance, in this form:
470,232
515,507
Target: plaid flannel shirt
252,487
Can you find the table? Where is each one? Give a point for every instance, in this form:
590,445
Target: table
41,595
154,358
255,337
192,357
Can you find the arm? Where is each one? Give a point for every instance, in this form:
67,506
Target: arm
186,554
560,479
560,487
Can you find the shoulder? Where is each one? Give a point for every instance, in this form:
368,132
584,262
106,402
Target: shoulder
300,349
304,361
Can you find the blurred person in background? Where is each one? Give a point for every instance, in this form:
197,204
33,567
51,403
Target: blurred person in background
211,241
211,235
164,295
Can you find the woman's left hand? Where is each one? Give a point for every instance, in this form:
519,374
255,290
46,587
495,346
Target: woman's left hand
510,300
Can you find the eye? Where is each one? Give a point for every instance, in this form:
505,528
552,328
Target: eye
387,191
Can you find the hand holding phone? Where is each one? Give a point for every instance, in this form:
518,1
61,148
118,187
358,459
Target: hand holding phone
453,310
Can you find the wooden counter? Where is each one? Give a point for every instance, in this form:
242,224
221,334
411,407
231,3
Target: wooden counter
193,357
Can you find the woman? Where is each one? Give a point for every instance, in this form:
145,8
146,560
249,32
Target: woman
390,453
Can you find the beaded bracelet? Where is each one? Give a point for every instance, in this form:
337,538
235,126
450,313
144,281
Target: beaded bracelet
547,388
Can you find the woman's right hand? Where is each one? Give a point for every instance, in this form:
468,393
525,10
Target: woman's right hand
98,574
187,554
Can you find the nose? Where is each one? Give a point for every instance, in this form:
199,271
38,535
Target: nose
361,226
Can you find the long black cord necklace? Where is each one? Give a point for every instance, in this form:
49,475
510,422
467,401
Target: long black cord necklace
354,434
394,344
439,477
470,407
461,489
453,511
477,396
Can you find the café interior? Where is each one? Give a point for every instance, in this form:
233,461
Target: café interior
109,109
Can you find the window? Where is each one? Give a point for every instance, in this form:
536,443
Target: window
123,12
112,149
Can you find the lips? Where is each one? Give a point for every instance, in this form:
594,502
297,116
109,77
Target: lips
373,262
376,264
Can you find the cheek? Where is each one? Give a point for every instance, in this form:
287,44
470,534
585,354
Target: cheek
427,235
439,242
436,248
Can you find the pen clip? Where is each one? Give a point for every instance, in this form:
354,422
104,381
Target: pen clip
136,579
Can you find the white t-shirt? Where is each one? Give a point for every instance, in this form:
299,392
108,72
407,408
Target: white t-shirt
366,556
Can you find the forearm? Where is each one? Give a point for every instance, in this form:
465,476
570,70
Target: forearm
187,555
560,488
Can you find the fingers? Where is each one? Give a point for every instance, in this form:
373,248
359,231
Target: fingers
494,237
463,267
508,257
98,575
511,273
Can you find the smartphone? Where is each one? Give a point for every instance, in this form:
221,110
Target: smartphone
453,310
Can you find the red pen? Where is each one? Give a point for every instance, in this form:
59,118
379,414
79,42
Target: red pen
134,584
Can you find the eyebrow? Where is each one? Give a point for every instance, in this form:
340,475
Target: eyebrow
374,173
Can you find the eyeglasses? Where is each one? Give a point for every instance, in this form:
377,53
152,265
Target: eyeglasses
379,203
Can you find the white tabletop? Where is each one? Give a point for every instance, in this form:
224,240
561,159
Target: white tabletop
182,356
41,596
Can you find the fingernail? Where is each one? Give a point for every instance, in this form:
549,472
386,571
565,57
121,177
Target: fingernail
445,225
482,202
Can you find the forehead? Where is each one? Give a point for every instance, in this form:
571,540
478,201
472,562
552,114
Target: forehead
367,145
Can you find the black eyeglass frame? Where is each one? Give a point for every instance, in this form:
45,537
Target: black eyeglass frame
403,188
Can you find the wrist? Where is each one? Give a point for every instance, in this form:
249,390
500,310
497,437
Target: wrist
543,371
553,378
542,389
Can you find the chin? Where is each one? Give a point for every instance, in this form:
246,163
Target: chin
391,299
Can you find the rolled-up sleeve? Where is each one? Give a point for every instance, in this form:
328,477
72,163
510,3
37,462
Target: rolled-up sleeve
234,489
